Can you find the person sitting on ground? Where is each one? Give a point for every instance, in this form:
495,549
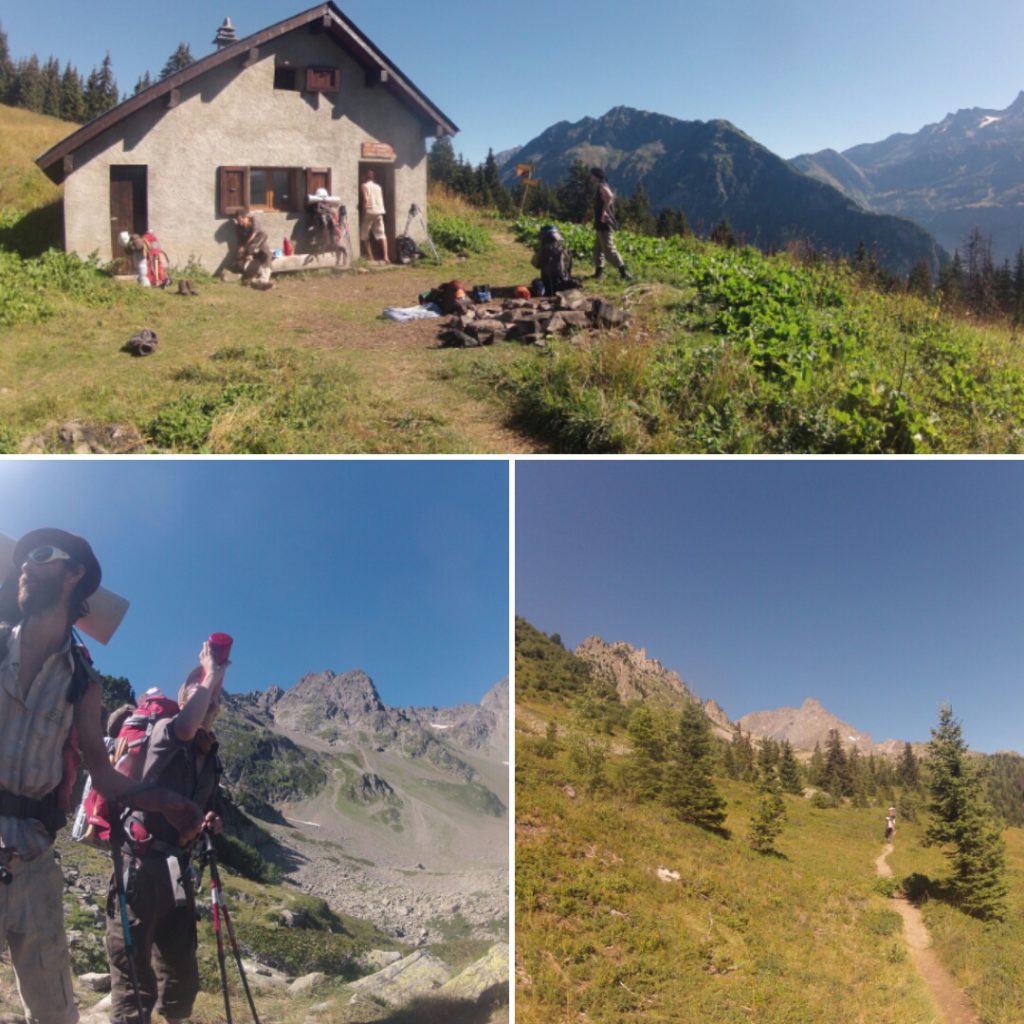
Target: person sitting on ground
254,252
181,756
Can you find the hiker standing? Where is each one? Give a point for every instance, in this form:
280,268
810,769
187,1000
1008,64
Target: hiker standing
254,252
890,824
372,226
160,893
50,710
604,226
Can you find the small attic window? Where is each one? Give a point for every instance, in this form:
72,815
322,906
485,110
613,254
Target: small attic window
323,79
286,77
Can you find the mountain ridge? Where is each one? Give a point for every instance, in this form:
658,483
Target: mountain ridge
712,170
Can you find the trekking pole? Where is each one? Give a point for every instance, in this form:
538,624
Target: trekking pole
117,835
218,891
215,901
415,211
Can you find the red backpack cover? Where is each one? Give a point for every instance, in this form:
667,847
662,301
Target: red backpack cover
129,758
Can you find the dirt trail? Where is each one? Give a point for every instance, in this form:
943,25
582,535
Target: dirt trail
954,1007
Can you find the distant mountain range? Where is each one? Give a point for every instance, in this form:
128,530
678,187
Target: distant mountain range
965,171
639,678
396,815
713,171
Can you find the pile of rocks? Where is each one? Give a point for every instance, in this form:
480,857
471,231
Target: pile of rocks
532,321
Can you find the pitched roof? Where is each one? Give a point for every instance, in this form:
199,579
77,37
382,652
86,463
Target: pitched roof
56,163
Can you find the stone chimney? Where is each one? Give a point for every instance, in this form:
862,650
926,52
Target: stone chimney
225,34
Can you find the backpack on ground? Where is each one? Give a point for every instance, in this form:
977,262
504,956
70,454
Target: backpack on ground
129,758
554,261
407,250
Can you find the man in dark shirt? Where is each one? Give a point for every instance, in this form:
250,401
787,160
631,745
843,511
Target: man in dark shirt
181,756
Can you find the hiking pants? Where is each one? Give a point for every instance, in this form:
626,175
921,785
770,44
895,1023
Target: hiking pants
32,919
163,943
604,249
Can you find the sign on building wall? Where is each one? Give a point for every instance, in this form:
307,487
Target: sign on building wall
377,151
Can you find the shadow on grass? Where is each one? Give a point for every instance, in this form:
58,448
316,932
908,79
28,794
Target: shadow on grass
38,230
433,1010
920,888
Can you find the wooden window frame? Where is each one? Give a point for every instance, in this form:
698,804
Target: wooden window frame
299,177
323,78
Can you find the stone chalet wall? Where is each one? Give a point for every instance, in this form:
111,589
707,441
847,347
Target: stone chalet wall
234,116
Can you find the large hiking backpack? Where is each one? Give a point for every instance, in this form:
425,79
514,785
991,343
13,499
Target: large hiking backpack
129,758
554,261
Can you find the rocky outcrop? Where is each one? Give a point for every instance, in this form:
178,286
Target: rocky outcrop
804,727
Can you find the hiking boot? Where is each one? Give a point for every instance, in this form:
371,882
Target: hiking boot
182,290
190,288
625,274
599,273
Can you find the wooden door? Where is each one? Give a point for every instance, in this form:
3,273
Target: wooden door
128,209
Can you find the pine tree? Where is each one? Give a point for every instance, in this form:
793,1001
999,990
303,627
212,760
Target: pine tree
635,212
28,85
6,69
575,193
963,822
816,766
789,770
919,280
907,771
51,87
548,746
143,83
642,771
72,99
723,234
689,787
178,61
741,757
100,90
766,825
441,162
835,776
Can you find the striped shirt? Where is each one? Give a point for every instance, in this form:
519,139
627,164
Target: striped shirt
33,730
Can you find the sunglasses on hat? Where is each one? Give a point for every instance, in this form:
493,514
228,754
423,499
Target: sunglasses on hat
46,553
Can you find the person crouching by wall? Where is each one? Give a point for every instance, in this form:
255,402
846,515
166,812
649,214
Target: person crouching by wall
254,252
181,756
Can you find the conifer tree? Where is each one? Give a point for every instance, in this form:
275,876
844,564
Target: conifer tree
178,61
642,771
766,825
100,90
907,771
441,162
72,99
816,766
51,88
142,83
789,770
689,787
963,823
28,85
835,775
741,757
6,69
575,193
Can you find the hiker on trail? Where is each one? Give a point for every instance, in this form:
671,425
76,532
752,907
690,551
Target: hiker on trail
254,252
604,226
182,756
373,211
50,711
149,259
890,824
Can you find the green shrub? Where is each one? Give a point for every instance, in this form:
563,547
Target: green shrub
458,235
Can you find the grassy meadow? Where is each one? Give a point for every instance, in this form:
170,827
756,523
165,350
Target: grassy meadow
805,935
728,351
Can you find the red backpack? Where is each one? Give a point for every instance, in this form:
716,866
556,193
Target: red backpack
129,758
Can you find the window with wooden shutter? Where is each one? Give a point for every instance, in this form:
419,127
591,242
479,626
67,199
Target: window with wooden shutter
318,177
232,190
323,79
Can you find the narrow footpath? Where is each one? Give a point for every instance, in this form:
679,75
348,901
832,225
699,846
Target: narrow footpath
953,1005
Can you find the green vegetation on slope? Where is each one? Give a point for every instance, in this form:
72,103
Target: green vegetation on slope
736,351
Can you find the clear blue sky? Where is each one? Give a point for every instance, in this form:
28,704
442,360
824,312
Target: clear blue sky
797,75
881,588
399,568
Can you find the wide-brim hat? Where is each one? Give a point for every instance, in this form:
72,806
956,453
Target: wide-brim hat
77,547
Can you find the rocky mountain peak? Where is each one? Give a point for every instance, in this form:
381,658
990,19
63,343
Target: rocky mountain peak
804,727
634,675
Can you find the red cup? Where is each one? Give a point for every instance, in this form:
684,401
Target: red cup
220,647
